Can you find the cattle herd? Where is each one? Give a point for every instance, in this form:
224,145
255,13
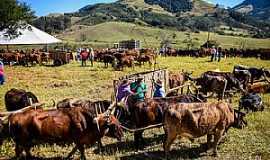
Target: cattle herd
122,58
33,57
84,122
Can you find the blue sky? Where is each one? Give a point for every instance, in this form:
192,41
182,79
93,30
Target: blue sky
44,7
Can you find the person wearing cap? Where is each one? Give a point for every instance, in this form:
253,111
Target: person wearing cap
2,76
123,91
138,89
159,91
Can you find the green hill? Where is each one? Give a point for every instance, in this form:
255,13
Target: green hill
105,34
181,15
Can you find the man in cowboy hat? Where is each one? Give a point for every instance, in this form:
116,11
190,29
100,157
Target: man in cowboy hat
139,89
159,91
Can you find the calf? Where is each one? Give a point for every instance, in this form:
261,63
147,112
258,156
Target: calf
193,120
58,126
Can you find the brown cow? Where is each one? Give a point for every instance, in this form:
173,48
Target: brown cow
57,126
178,79
259,88
150,112
194,120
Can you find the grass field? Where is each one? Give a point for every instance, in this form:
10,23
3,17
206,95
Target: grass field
96,83
106,34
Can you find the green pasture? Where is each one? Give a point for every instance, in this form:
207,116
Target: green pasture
106,34
71,80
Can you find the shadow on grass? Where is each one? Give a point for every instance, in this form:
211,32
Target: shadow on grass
38,158
182,153
128,146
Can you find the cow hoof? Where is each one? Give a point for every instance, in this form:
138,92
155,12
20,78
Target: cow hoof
215,154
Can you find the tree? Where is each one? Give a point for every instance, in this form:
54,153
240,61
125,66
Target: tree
14,15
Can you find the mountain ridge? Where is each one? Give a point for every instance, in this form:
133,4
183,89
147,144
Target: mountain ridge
181,15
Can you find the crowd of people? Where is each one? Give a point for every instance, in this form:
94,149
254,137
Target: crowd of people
84,54
216,54
137,90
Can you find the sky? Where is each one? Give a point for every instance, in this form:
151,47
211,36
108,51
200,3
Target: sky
44,7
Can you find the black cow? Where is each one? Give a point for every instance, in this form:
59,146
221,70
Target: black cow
255,73
16,99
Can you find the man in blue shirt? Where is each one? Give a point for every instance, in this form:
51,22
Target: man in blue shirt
159,91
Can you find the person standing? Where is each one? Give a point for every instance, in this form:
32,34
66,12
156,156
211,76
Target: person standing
213,54
123,91
219,53
78,55
139,89
2,76
159,91
92,56
84,57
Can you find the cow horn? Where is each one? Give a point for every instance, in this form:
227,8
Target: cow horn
113,111
211,95
112,105
96,120
36,105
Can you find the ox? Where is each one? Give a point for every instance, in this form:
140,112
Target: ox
194,120
259,88
16,99
95,107
60,126
255,73
178,79
218,82
150,112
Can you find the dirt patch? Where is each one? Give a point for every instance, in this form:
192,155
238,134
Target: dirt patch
58,85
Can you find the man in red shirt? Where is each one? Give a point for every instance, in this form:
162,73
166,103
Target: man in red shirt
84,57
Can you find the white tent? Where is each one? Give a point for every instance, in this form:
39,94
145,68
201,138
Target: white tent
28,36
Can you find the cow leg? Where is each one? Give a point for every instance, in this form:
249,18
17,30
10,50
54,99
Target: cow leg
81,149
72,152
170,136
100,146
18,150
138,139
217,139
209,140
27,152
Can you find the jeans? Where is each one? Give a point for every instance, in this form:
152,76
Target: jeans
2,79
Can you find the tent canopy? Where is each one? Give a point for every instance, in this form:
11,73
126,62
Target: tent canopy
29,35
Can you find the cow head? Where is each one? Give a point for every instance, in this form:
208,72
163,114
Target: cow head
267,72
109,125
239,121
115,130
